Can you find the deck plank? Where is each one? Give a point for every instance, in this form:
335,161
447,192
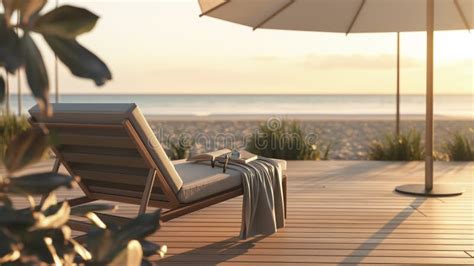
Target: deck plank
338,213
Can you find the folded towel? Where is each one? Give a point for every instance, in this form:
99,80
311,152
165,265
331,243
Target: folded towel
263,210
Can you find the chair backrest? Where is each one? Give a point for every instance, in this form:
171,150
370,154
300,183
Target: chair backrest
112,149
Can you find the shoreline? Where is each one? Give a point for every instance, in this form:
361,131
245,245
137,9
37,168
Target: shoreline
303,117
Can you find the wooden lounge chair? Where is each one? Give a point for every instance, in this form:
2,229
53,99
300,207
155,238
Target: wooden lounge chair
118,158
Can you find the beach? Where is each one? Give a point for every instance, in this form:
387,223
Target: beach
348,135
349,123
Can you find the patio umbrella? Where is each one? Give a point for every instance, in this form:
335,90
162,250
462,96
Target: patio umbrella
360,16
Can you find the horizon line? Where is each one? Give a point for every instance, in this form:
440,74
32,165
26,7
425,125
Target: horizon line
249,94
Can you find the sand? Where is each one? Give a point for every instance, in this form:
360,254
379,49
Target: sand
350,136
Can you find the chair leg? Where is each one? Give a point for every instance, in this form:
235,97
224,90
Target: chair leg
147,193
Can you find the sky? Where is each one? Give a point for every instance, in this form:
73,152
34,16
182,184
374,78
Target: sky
164,47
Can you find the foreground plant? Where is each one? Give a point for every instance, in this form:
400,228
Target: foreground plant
405,147
286,140
459,148
40,233
59,28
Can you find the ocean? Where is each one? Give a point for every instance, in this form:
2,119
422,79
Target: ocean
204,105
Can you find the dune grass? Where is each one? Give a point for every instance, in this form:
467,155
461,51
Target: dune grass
286,140
459,148
179,148
406,147
10,126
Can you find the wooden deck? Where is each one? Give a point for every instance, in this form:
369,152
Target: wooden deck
339,212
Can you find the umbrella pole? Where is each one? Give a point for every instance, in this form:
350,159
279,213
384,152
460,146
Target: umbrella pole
56,78
427,189
20,100
397,129
7,93
429,97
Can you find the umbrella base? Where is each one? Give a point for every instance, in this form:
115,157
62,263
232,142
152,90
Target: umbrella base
437,191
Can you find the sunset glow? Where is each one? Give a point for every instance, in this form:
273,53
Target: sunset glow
164,47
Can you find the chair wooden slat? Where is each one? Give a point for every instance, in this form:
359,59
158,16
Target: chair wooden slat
118,185
121,170
124,193
89,131
127,152
95,141
104,159
130,200
112,177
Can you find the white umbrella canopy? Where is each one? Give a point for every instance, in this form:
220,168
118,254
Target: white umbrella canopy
360,16
345,16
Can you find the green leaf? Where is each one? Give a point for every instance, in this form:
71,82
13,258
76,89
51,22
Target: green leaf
101,245
10,6
131,255
146,262
79,60
4,199
84,209
36,73
16,219
9,251
10,52
150,248
25,148
54,217
50,200
81,250
139,227
95,220
27,8
39,184
54,254
105,245
66,22
2,89
33,244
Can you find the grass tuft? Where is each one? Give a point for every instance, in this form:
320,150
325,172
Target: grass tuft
180,149
459,148
406,147
286,140
10,126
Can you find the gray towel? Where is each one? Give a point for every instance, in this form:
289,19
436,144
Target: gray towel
263,210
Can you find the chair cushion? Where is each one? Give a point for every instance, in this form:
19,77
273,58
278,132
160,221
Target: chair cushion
107,113
200,180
